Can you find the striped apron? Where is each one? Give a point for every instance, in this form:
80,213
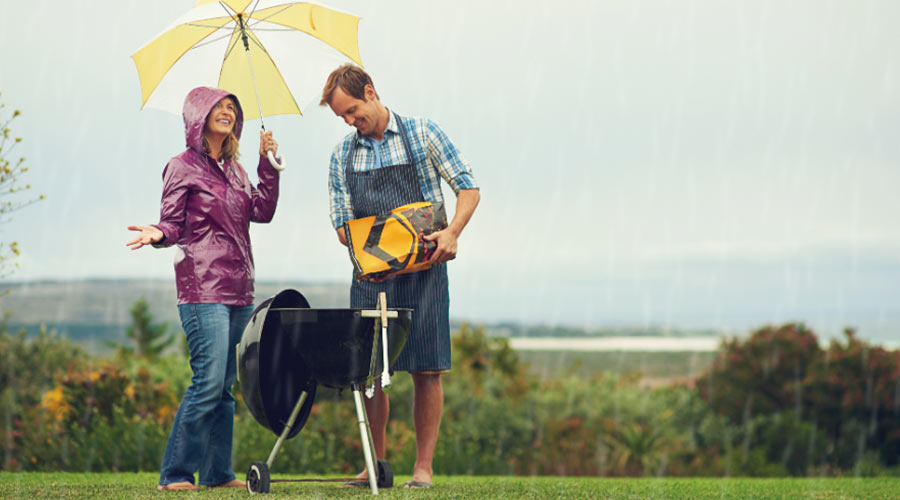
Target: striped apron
377,192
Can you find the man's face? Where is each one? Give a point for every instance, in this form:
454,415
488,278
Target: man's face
362,114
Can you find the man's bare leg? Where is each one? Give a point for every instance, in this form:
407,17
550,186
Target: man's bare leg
428,407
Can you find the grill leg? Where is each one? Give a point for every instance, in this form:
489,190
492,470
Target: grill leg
287,429
365,434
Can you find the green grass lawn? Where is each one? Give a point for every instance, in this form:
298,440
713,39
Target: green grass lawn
142,486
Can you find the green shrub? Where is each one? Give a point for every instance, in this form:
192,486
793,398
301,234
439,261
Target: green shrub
761,375
30,366
28,369
328,443
807,409
772,405
853,390
93,416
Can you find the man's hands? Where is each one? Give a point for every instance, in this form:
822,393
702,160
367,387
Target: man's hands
446,245
446,239
149,235
446,250
466,201
342,235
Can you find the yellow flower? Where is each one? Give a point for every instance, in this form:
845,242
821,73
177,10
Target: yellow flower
129,391
94,376
54,402
164,412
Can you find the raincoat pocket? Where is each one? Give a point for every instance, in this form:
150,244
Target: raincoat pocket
224,270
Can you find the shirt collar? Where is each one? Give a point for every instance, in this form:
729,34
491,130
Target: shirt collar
391,127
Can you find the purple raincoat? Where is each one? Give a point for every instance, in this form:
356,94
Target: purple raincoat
206,210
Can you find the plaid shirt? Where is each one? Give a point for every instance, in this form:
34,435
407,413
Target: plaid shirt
427,141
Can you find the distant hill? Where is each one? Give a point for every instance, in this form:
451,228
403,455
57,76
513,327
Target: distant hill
93,311
99,309
506,329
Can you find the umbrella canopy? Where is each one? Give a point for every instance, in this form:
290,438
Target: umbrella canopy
235,45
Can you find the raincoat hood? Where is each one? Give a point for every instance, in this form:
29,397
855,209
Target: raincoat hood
197,105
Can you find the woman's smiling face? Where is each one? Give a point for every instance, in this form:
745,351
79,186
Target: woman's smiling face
220,120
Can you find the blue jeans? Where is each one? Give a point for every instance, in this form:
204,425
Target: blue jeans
202,432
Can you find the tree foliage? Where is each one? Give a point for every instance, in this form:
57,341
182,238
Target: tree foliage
762,374
12,189
29,369
854,396
805,407
149,338
815,412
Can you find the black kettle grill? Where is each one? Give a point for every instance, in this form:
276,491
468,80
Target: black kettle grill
288,348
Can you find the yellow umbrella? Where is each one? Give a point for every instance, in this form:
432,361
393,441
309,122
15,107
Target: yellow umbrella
234,45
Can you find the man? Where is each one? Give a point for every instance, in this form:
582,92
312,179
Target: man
390,161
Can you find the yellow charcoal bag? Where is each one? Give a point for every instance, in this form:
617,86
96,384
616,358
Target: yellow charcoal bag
393,242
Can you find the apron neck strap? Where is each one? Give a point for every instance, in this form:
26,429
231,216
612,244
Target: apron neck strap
403,136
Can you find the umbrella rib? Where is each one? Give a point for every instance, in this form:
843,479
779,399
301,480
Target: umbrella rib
227,11
266,52
233,45
198,25
236,26
253,9
197,46
280,76
274,29
270,15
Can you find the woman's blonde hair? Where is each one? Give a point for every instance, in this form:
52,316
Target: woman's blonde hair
229,146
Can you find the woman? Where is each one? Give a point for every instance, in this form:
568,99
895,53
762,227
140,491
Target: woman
206,210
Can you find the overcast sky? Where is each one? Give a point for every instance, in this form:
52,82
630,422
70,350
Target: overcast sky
711,163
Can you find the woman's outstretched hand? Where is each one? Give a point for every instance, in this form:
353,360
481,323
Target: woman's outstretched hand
148,236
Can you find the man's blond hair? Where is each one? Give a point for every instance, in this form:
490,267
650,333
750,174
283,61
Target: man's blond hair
351,79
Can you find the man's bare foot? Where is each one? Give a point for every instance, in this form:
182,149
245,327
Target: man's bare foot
234,483
179,486
355,483
421,478
360,481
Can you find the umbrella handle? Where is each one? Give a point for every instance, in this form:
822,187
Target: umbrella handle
278,166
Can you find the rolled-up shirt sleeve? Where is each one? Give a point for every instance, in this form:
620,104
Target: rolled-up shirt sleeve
172,205
447,160
341,207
